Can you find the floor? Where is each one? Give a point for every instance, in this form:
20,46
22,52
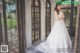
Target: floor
32,49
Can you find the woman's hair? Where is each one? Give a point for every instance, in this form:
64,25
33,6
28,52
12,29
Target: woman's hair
56,9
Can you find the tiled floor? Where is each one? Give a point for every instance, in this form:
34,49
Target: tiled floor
32,49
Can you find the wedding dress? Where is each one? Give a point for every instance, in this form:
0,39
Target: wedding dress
58,41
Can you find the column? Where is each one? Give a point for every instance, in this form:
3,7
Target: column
77,34
28,23
52,12
78,43
43,5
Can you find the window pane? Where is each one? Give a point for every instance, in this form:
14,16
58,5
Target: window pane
12,29
48,17
36,20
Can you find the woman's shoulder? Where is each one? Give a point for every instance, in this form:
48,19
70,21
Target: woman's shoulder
55,11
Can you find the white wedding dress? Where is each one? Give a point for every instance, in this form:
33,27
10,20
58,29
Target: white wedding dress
58,41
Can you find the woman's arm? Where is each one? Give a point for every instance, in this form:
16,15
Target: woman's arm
56,15
61,16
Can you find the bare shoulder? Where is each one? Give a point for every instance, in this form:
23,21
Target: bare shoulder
55,12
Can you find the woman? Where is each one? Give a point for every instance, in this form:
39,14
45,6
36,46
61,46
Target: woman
58,40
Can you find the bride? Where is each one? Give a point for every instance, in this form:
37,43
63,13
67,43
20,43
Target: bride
58,40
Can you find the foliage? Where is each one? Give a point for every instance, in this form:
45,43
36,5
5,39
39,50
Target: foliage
10,2
11,23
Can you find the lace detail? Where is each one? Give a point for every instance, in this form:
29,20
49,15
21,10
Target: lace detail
61,16
58,17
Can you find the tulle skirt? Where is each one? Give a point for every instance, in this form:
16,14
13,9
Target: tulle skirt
58,41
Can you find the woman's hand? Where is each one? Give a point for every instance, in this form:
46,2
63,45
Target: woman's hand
61,15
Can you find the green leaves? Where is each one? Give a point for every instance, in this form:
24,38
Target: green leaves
68,2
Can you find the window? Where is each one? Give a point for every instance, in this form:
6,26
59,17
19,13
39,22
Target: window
9,25
48,17
36,26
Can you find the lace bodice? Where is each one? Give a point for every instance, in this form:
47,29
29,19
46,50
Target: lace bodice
59,16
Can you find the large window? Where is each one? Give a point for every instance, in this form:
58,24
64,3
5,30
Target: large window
8,25
48,17
35,13
12,29
1,15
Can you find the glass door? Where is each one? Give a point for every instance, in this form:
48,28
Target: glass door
11,34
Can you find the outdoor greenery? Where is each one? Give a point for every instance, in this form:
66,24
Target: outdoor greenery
11,22
11,19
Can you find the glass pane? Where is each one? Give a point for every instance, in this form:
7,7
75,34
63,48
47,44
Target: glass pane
1,24
74,19
12,29
37,9
48,5
36,20
48,14
36,25
67,17
32,9
48,17
36,15
37,32
36,3
33,37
